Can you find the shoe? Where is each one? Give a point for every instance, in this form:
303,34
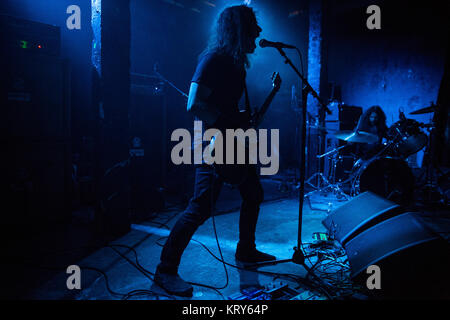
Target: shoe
173,284
253,255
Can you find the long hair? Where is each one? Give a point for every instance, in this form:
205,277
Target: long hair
365,119
231,32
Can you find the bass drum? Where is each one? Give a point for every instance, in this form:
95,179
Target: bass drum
390,178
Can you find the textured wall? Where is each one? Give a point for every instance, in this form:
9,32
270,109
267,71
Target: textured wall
314,52
398,67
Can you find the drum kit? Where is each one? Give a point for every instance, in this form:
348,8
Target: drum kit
387,173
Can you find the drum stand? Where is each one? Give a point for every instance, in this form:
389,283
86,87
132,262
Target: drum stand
324,184
432,175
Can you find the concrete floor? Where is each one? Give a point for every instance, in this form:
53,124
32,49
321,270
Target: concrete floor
276,234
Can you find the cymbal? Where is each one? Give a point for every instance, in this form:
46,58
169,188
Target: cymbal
356,136
429,109
314,126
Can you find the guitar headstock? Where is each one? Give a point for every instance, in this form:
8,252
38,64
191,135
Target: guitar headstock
276,80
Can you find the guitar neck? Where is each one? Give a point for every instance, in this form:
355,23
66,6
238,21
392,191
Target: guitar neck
265,106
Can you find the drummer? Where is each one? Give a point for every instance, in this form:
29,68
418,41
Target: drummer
373,120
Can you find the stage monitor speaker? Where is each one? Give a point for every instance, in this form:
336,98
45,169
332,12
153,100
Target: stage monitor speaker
358,214
413,261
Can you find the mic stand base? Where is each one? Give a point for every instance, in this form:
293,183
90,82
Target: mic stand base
298,258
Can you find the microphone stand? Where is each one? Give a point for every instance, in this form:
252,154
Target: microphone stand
298,256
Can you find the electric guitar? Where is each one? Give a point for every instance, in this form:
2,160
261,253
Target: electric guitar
235,174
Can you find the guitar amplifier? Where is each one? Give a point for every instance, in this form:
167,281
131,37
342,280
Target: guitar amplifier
148,129
35,97
34,124
25,36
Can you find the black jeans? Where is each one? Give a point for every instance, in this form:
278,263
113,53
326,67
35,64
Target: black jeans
206,191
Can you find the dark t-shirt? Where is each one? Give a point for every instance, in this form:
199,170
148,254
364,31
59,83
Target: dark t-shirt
224,77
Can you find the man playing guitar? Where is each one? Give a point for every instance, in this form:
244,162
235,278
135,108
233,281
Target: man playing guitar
216,88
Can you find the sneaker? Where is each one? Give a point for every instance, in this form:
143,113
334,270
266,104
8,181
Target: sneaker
253,256
173,284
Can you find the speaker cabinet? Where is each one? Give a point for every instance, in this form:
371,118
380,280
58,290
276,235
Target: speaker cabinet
148,131
35,138
413,260
358,214
35,97
36,181
148,145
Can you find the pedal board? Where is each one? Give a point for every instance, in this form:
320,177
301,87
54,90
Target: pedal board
308,295
274,291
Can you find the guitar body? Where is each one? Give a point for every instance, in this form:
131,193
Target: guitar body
235,174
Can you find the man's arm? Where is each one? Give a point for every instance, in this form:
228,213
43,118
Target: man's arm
197,105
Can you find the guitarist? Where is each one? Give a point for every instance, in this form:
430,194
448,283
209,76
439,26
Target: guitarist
216,88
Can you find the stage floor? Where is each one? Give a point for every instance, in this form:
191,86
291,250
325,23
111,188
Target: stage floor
129,276
276,234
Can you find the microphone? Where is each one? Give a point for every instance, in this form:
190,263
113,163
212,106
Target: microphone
279,45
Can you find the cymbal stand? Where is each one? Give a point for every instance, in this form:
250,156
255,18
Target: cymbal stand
326,184
431,173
